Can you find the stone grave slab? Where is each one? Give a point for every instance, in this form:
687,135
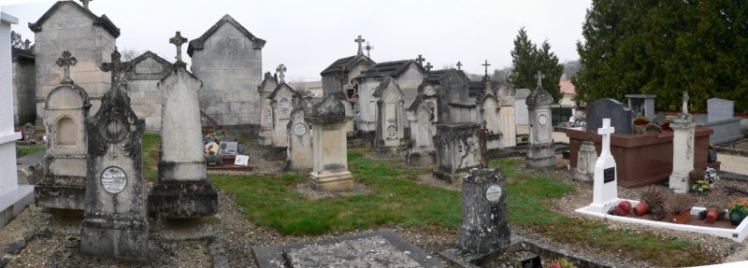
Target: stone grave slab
383,248
620,115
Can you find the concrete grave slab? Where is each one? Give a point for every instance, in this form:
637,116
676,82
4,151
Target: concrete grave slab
381,248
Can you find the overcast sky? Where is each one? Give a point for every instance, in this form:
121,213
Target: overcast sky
307,36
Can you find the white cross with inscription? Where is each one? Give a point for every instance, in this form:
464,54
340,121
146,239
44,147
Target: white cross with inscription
605,132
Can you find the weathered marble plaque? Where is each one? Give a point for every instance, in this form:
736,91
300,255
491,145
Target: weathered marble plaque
113,179
493,193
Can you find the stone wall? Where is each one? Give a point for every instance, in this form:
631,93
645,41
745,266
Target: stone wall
231,69
145,98
24,94
70,28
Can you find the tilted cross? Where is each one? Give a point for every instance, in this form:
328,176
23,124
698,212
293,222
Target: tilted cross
66,61
486,66
428,67
118,68
605,132
281,69
540,77
420,60
459,65
368,49
359,40
85,3
178,41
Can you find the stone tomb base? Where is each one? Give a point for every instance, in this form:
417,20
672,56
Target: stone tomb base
59,196
421,159
13,203
332,181
182,199
117,238
377,249
541,156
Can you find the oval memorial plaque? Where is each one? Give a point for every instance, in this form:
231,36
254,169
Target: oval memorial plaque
113,179
493,193
542,119
285,103
299,129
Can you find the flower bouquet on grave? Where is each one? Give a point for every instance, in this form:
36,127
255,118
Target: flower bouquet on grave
562,263
679,206
665,126
737,210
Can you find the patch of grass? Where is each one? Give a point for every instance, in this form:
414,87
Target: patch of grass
27,150
271,201
527,206
151,150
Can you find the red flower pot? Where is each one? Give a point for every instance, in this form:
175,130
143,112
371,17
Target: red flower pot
711,216
623,208
682,218
641,209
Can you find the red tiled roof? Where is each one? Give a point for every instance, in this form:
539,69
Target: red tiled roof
567,87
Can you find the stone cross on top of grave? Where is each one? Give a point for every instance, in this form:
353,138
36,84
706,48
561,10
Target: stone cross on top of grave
359,40
178,41
66,61
540,77
118,68
605,132
684,98
85,3
428,67
459,66
486,66
26,44
368,49
281,69
420,60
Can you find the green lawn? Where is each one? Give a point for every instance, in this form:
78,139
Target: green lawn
27,150
395,198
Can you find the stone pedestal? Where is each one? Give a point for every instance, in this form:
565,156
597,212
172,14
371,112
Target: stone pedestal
458,150
269,83
541,152
13,197
683,153
484,228
330,146
586,162
183,189
605,189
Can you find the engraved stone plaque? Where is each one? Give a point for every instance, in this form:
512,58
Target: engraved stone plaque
285,103
299,129
241,160
609,175
391,130
113,179
542,119
493,193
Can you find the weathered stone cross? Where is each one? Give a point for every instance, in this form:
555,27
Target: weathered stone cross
459,65
368,49
428,67
281,69
85,3
420,60
359,40
540,77
605,132
26,44
66,61
684,98
486,66
178,41
118,68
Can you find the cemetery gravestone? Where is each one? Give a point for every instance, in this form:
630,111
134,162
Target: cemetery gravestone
541,152
644,104
605,189
299,151
507,125
114,223
266,111
620,116
719,109
329,146
422,151
683,148
389,134
489,113
67,107
282,100
484,227
721,119
457,151
183,189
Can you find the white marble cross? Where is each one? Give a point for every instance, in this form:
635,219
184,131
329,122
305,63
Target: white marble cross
605,131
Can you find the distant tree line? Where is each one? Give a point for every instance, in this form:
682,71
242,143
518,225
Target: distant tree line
665,48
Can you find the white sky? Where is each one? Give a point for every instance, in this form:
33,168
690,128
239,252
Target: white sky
307,36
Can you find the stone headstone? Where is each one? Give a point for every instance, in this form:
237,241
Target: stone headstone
507,124
241,160
330,146
484,227
684,131
719,109
619,115
29,130
541,152
489,112
66,111
659,118
183,189
299,151
644,104
229,148
457,151
114,223
13,197
605,189
389,133
586,161
282,101
266,111
422,130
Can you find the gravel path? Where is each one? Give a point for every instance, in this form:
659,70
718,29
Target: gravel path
51,240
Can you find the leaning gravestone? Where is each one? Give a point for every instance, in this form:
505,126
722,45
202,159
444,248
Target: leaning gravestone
114,223
619,115
183,189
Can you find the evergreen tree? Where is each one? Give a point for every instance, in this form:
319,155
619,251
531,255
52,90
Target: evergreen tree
547,62
15,39
528,59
